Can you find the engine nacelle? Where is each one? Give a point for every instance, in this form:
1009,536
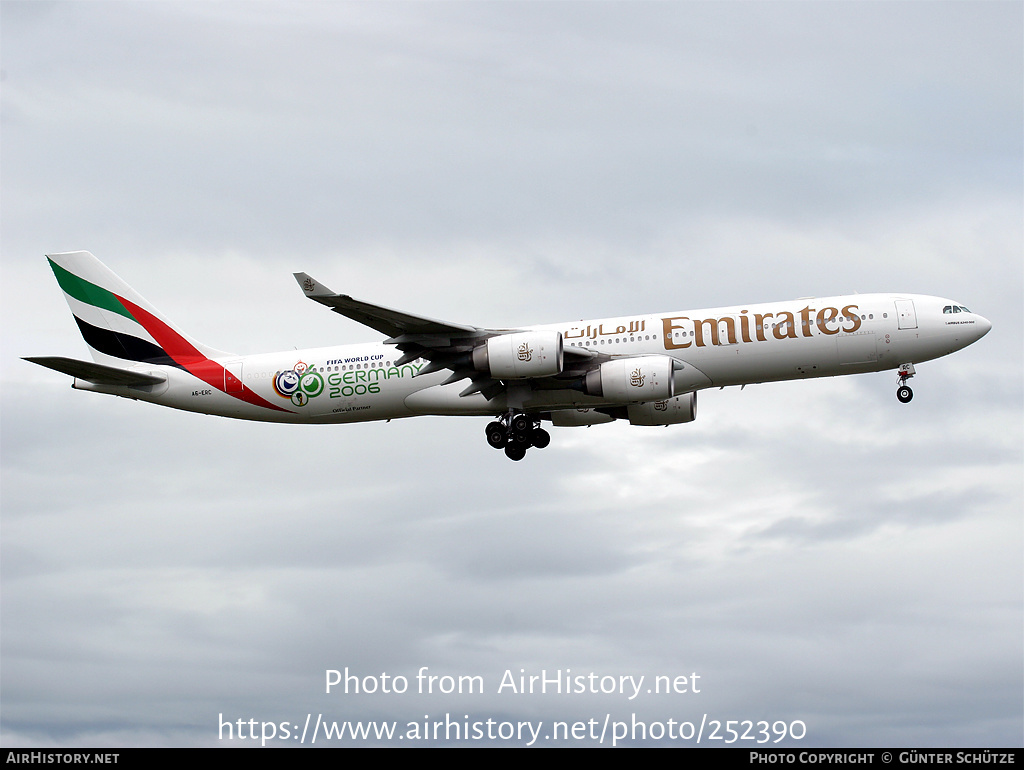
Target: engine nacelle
520,355
670,412
571,418
632,380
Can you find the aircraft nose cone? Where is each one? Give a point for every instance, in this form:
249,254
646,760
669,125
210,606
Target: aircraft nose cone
983,327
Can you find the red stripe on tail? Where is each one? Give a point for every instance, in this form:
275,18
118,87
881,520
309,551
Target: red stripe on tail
182,352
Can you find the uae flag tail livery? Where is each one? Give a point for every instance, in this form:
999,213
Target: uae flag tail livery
130,342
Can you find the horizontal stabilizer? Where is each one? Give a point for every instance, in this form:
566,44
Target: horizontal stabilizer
98,373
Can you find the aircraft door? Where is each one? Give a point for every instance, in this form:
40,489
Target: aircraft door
233,377
906,314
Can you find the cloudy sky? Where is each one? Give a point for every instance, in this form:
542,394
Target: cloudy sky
816,552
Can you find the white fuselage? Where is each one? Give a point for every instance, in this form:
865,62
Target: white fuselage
818,337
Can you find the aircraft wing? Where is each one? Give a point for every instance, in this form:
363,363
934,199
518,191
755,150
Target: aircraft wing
98,373
393,323
444,345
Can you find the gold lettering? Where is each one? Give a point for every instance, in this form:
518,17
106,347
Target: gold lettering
745,326
716,338
668,324
760,324
698,329
787,328
850,311
730,324
805,320
826,316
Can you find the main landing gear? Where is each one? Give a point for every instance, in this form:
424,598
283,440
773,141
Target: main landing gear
515,433
903,392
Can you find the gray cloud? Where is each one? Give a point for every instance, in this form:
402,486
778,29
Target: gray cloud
814,550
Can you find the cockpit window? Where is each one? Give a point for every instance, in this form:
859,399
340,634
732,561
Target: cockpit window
955,309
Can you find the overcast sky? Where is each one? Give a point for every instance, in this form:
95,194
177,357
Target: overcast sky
814,551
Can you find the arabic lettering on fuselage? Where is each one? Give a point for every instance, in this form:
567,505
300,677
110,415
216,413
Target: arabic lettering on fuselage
635,327
734,328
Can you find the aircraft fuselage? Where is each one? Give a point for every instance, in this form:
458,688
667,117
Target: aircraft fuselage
745,344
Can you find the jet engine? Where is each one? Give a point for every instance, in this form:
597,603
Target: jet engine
632,380
669,412
520,355
571,418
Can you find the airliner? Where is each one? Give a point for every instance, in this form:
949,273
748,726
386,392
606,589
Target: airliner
645,369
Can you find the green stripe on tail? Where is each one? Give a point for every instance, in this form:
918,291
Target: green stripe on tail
86,292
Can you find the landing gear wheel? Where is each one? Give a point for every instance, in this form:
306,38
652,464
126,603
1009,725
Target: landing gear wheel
904,373
497,436
521,424
516,432
515,452
524,440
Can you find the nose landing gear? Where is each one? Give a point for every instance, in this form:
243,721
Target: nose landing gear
903,392
515,433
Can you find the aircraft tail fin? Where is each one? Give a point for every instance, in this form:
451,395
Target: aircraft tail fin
117,324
